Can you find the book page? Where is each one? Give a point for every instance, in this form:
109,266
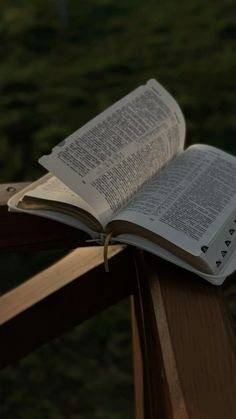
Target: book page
48,197
113,155
147,245
190,200
52,189
52,214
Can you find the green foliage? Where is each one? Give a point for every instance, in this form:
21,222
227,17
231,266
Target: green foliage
85,374
62,62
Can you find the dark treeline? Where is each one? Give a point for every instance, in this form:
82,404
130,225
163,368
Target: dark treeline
62,62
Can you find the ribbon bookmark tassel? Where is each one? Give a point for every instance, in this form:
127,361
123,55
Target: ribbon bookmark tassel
105,251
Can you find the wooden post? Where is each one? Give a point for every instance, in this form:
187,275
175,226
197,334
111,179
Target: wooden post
184,341
191,346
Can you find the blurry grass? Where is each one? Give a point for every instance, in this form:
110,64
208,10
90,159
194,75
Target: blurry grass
87,373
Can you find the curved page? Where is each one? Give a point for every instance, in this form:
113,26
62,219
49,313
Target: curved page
102,160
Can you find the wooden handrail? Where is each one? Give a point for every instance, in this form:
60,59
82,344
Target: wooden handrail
60,297
52,279
182,327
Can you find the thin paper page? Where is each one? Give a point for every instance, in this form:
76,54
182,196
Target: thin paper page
165,254
52,215
190,200
102,160
55,190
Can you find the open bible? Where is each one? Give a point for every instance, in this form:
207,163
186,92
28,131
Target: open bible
126,173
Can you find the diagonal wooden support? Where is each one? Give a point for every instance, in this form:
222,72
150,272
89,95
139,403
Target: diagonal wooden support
184,340
64,295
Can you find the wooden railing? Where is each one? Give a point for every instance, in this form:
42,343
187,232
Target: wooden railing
183,336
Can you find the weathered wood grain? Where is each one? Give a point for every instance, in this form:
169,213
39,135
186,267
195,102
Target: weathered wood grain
185,354
68,293
191,344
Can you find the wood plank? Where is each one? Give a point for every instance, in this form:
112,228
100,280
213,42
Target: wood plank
54,308
155,386
19,231
138,366
51,279
190,343
186,334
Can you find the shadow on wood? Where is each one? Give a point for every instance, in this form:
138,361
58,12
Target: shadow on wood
184,341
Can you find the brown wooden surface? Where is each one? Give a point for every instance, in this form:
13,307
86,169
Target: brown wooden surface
186,337
50,280
48,310
190,343
138,365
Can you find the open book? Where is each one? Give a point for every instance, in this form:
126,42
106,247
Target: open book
126,173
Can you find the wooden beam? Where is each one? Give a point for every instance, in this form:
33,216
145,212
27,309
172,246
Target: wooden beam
186,337
51,279
190,344
138,356
68,293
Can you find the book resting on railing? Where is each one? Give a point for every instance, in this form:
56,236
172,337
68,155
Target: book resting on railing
126,173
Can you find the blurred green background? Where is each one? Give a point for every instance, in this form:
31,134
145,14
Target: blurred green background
62,62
